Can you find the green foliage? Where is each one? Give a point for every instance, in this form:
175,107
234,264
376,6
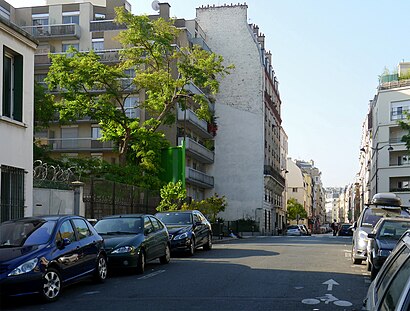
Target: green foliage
210,207
405,125
295,209
172,197
44,109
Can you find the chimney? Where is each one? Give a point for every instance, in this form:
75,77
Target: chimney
164,10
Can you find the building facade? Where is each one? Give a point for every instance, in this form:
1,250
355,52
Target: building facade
386,158
17,49
247,162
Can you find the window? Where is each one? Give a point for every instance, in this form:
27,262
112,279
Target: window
99,16
12,85
71,18
11,193
131,107
82,228
403,184
294,189
65,46
98,44
399,109
156,224
148,228
403,160
66,232
4,13
40,21
96,132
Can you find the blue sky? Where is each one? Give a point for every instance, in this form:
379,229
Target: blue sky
327,56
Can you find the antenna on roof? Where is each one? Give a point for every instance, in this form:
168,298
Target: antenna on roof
155,5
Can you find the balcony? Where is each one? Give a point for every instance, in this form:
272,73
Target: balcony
57,31
400,184
201,42
105,25
269,170
198,178
197,151
78,144
189,119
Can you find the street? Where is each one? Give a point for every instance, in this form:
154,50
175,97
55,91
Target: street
255,273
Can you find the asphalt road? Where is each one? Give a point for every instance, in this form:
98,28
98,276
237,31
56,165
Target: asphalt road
257,273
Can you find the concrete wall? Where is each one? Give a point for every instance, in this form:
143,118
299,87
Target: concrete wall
239,145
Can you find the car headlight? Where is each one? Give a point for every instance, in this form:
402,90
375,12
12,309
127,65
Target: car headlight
362,242
181,236
123,249
25,267
383,252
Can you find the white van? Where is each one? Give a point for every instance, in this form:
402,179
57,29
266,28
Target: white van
382,205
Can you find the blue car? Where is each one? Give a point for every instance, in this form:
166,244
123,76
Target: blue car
40,255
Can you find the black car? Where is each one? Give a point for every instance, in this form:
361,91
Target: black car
382,240
40,255
188,230
133,240
390,290
345,230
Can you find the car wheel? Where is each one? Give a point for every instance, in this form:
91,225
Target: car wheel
191,250
208,245
51,285
101,269
167,257
141,262
373,272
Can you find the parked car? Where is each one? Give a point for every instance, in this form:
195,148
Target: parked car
382,240
40,255
382,205
293,230
188,230
345,230
390,290
133,240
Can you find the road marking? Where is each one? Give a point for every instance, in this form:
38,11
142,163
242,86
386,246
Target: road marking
151,275
91,293
330,284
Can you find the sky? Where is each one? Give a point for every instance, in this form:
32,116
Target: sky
327,56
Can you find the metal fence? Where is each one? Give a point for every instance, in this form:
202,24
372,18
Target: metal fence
104,198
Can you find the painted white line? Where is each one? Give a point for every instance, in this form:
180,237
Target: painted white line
150,275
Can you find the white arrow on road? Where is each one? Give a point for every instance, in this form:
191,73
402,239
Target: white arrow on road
330,284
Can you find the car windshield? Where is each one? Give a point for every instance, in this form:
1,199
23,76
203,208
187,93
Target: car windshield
32,232
175,218
128,225
394,229
373,215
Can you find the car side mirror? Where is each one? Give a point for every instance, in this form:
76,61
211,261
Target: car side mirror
63,243
371,235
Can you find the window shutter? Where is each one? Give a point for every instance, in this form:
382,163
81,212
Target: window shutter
7,67
18,88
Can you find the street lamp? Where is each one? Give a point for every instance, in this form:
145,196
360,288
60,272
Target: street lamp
377,159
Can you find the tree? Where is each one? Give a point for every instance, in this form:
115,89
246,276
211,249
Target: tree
44,109
295,210
173,196
405,125
210,207
101,91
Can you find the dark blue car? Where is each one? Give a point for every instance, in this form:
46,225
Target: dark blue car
39,255
188,230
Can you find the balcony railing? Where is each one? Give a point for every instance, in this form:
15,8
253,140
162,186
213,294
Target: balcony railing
198,178
196,150
192,119
78,144
47,32
269,170
105,25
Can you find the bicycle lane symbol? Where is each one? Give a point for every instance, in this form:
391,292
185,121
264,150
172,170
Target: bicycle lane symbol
328,298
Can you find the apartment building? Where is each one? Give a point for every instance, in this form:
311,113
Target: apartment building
385,157
88,25
248,111
16,117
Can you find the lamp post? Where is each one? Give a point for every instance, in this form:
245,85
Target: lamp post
377,149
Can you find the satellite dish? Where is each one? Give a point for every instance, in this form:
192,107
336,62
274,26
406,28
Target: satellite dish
155,5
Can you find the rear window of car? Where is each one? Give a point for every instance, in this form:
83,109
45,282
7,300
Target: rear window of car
372,215
293,227
396,287
391,270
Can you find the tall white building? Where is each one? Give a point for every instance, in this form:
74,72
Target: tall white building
247,148
388,158
16,118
